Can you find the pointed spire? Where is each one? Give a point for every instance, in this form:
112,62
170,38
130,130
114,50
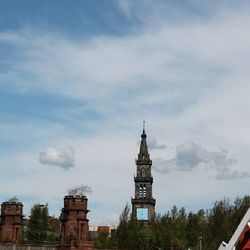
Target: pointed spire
143,131
143,153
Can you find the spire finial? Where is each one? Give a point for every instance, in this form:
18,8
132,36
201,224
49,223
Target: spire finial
143,131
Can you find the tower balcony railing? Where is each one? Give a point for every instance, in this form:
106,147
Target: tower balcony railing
143,179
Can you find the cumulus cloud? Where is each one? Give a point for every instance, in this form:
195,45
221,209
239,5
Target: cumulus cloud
59,158
192,155
189,79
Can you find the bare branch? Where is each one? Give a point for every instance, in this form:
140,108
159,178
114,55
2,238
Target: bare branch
81,190
13,199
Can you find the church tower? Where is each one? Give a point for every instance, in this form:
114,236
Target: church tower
143,205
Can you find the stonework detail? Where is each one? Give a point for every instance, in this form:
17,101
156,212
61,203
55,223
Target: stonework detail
143,200
74,224
11,222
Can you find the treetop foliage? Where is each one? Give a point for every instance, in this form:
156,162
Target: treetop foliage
40,228
177,229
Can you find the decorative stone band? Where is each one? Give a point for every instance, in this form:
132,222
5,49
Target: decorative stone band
143,162
143,201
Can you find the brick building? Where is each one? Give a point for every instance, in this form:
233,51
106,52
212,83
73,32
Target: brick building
11,222
74,224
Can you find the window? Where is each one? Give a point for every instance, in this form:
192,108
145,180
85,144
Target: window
143,173
144,191
141,191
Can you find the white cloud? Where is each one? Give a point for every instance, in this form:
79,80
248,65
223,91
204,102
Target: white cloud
60,158
189,80
192,155
98,160
164,70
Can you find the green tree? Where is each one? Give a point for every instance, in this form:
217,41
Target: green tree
178,229
102,241
38,230
196,228
240,207
122,232
219,223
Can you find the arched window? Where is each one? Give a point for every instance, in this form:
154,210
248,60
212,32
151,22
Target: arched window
143,172
141,191
144,191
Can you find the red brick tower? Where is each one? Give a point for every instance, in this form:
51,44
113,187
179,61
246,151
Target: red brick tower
74,224
11,222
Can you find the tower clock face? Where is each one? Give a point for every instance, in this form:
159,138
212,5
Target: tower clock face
142,213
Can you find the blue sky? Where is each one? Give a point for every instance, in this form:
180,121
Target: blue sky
77,78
